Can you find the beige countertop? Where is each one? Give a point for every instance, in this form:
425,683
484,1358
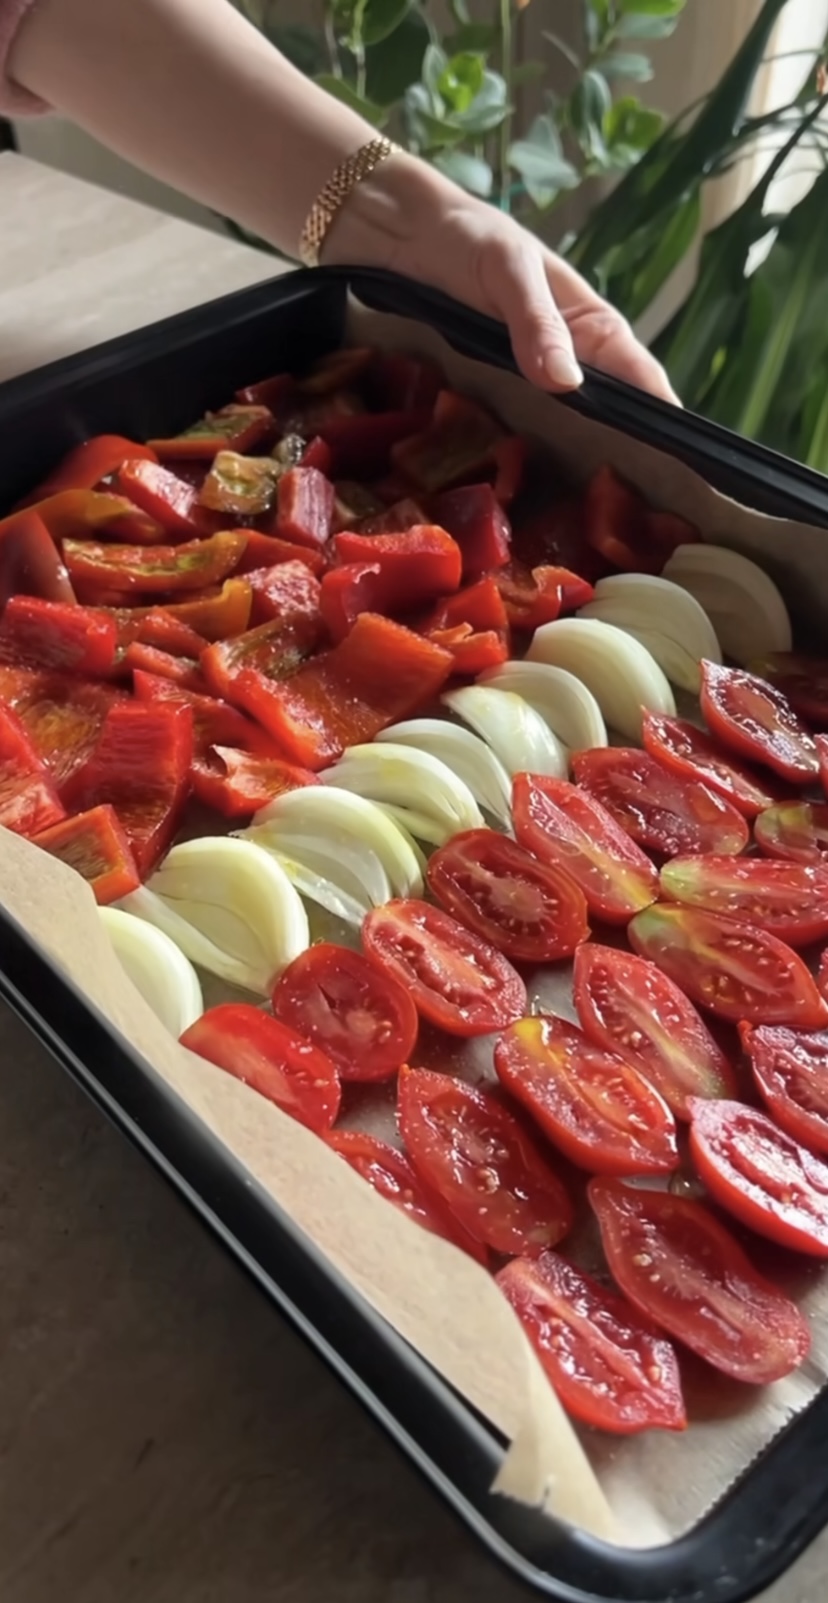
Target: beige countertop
164,1437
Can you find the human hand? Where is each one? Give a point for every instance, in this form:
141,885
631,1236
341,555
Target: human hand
408,218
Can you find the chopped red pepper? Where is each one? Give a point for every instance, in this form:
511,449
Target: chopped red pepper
216,612
62,715
479,525
142,658
401,383
57,634
215,722
481,605
473,650
273,651
540,596
28,799
455,445
337,370
317,455
149,570
395,519
354,588
30,562
141,767
287,591
240,486
170,501
94,844
381,672
160,628
473,626
509,456
615,524
88,464
80,512
361,444
277,394
238,783
387,573
305,502
233,428
667,532
265,550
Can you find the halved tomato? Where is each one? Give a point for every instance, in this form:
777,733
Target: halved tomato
394,1177
564,826
790,1068
787,899
469,1149
681,1268
734,969
761,1175
528,910
610,1367
803,681
358,1014
627,1005
271,1059
662,812
456,980
754,719
694,755
794,830
592,1104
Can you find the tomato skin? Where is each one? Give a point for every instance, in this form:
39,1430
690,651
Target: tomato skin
691,754
394,1177
661,812
761,1176
710,955
528,910
473,1153
796,831
790,1068
564,826
591,1104
351,1009
755,720
803,680
684,1270
610,1367
271,1059
626,1005
786,899
456,980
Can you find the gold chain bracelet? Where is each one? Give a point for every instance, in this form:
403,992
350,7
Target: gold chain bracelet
343,179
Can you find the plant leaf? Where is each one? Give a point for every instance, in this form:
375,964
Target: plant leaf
470,172
347,94
541,163
565,50
381,18
480,36
435,62
626,64
394,64
644,27
488,109
461,81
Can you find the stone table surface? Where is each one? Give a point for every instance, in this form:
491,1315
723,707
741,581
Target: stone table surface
164,1437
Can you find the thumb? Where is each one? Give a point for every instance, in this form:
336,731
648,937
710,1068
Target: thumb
514,281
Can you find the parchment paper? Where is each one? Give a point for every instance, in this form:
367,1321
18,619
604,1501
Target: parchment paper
638,1491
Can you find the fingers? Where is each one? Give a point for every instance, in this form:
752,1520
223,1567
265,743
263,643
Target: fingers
602,337
514,281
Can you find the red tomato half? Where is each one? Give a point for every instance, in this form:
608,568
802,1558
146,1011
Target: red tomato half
393,1175
602,1114
790,1068
456,980
692,754
802,680
350,1008
797,831
474,1154
271,1059
627,1005
564,826
754,719
661,812
527,909
735,969
787,899
681,1268
762,1176
610,1368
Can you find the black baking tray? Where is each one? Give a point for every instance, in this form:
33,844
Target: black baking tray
150,383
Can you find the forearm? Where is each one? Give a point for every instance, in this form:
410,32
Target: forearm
189,91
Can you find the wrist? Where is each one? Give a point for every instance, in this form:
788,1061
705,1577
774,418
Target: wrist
384,213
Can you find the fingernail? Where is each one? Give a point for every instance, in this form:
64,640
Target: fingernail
563,370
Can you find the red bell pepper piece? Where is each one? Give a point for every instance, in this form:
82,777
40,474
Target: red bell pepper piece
455,445
337,370
273,651
88,464
240,486
63,716
185,671
379,673
232,428
277,394
540,596
473,650
149,570
169,501
57,634
509,456
217,612
215,722
474,517
667,531
28,799
94,844
30,562
287,592
361,443
395,519
387,573
238,783
82,512
305,503
265,550
317,454
615,524
354,588
141,767
160,628
473,626
481,605
401,383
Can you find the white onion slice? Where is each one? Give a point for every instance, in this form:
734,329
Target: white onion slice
569,708
404,777
622,675
157,967
330,826
465,754
517,735
743,603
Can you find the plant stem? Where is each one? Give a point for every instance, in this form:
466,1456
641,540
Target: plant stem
505,132
331,42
